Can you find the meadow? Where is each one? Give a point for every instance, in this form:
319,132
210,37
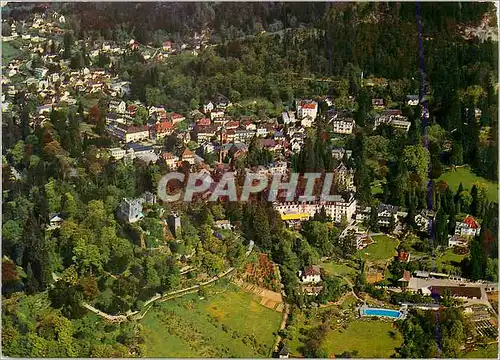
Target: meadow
372,339
384,248
228,322
465,176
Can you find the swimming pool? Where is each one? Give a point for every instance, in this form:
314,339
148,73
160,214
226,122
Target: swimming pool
395,314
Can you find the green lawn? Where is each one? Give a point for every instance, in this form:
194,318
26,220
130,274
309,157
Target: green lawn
228,323
468,178
449,256
372,339
383,248
489,352
338,269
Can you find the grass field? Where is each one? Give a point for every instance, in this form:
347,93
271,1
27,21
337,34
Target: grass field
372,339
338,269
489,352
449,257
384,248
468,178
228,323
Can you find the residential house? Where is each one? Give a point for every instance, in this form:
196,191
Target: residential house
203,122
116,106
279,167
117,153
188,156
288,117
404,256
284,353
412,100
55,221
393,118
312,290
223,224
170,159
378,103
243,135
271,144
307,108
469,227
232,125
161,129
385,213
221,102
208,107
422,220
278,135
363,214
310,274
343,125
307,121
345,177
262,131
216,114
206,134
248,125
338,153
177,118
207,148
129,134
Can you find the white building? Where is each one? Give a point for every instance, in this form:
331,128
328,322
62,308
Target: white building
208,107
343,125
310,275
170,159
117,106
216,114
307,121
412,100
117,153
307,108
288,117
337,210
393,118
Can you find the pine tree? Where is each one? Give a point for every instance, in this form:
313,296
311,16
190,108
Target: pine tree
31,282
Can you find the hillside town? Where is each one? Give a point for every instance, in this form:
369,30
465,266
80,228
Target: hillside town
93,121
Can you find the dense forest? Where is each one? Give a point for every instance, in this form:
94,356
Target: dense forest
274,52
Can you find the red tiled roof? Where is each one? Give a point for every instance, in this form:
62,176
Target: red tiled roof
305,105
471,222
311,271
403,256
176,116
168,156
163,126
203,121
136,129
187,153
